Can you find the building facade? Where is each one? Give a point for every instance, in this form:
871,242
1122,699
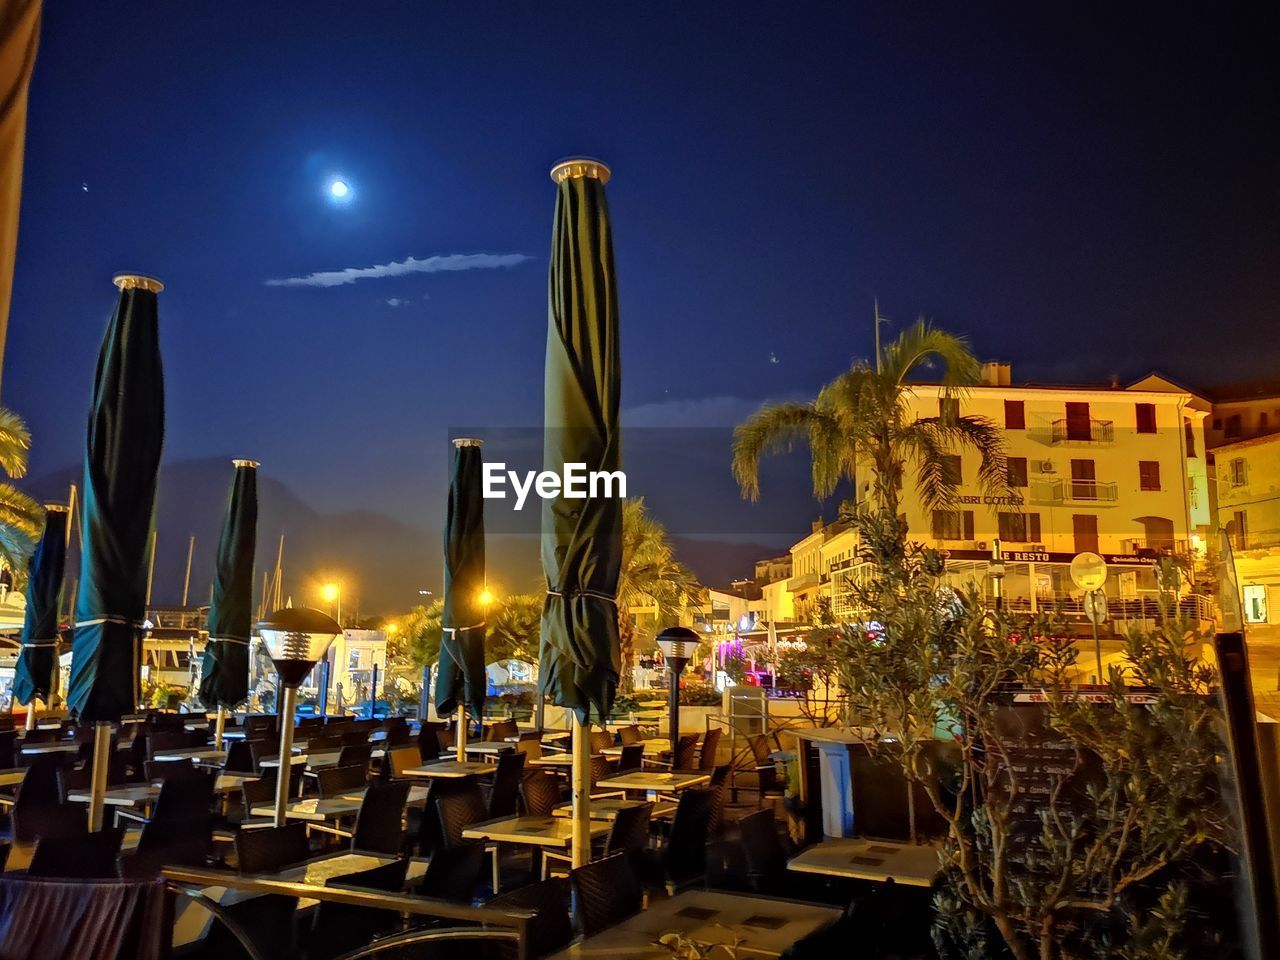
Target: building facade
1248,486
1116,471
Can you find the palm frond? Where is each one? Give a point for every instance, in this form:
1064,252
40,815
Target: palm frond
981,435
928,440
775,428
925,447
15,441
923,343
20,511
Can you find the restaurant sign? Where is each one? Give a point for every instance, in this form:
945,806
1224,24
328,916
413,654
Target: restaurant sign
1047,556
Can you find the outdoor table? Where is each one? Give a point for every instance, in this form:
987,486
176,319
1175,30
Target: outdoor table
52,748
653,781
561,761
540,832
484,746
141,794
310,760
195,753
237,733
313,809
13,776
855,859
417,795
606,808
652,748
451,769
766,926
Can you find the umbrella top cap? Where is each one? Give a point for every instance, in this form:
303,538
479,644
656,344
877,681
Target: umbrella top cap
581,168
300,620
461,442
136,281
251,464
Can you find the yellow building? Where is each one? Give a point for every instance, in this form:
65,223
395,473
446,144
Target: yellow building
1116,471
1248,482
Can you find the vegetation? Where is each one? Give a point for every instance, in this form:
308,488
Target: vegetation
21,518
514,628
651,576
1119,819
814,669
862,418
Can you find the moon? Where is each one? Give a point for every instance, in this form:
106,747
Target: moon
339,189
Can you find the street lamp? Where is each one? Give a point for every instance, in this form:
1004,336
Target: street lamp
296,639
678,646
331,593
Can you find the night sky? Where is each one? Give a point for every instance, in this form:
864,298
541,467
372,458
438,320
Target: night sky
1084,196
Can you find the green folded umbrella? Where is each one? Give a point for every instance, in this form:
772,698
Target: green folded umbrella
224,680
581,538
122,459
33,674
460,678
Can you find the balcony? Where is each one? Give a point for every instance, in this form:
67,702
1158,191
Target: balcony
1155,546
1098,493
1254,540
1082,431
804,581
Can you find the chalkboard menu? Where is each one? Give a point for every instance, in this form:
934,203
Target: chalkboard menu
1041,761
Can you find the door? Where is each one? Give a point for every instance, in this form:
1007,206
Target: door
1255,603
1083,481
1078,422
1085,528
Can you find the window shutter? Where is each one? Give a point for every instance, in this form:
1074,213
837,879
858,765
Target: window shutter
968,525
1033,527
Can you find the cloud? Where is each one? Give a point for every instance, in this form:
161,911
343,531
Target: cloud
396,302
448,263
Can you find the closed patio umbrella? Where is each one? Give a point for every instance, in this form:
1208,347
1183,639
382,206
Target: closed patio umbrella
460,677
581,538
33,674
224,680
122,458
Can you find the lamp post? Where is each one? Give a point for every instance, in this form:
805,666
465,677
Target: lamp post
296,639
678,645
332,595
995,570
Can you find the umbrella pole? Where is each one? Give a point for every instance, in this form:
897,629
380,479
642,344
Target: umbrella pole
31,715
285,719
98,782
460,737
581,793
218,726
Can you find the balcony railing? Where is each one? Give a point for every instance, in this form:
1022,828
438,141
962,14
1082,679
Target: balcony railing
803,582
1143,546
1254,539
1082,431
1074,491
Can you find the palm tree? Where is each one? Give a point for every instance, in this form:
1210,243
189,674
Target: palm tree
514,628
862,418
651,576
21,518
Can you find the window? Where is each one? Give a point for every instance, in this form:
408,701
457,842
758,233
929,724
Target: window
1085,528
1190,432
1217,423
1017,471
1015,415
1148,474
953,524
951,472
948,409
1019,527
353,660
1079,424
1158,532
1238,472
1084,484
1146,417
1232,427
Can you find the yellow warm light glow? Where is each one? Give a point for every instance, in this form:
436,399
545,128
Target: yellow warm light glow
392,627
329,592
486,597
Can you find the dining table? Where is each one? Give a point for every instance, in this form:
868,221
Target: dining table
760,926
654,782
852,858
451,769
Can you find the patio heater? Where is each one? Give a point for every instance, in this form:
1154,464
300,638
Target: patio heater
296,638
678,646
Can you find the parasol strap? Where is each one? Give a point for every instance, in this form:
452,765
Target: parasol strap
456,630
570,594
236,640
40,643
109,618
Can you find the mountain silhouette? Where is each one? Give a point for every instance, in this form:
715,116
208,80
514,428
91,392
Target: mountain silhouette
382,562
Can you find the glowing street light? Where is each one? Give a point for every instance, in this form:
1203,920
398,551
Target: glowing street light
486,597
